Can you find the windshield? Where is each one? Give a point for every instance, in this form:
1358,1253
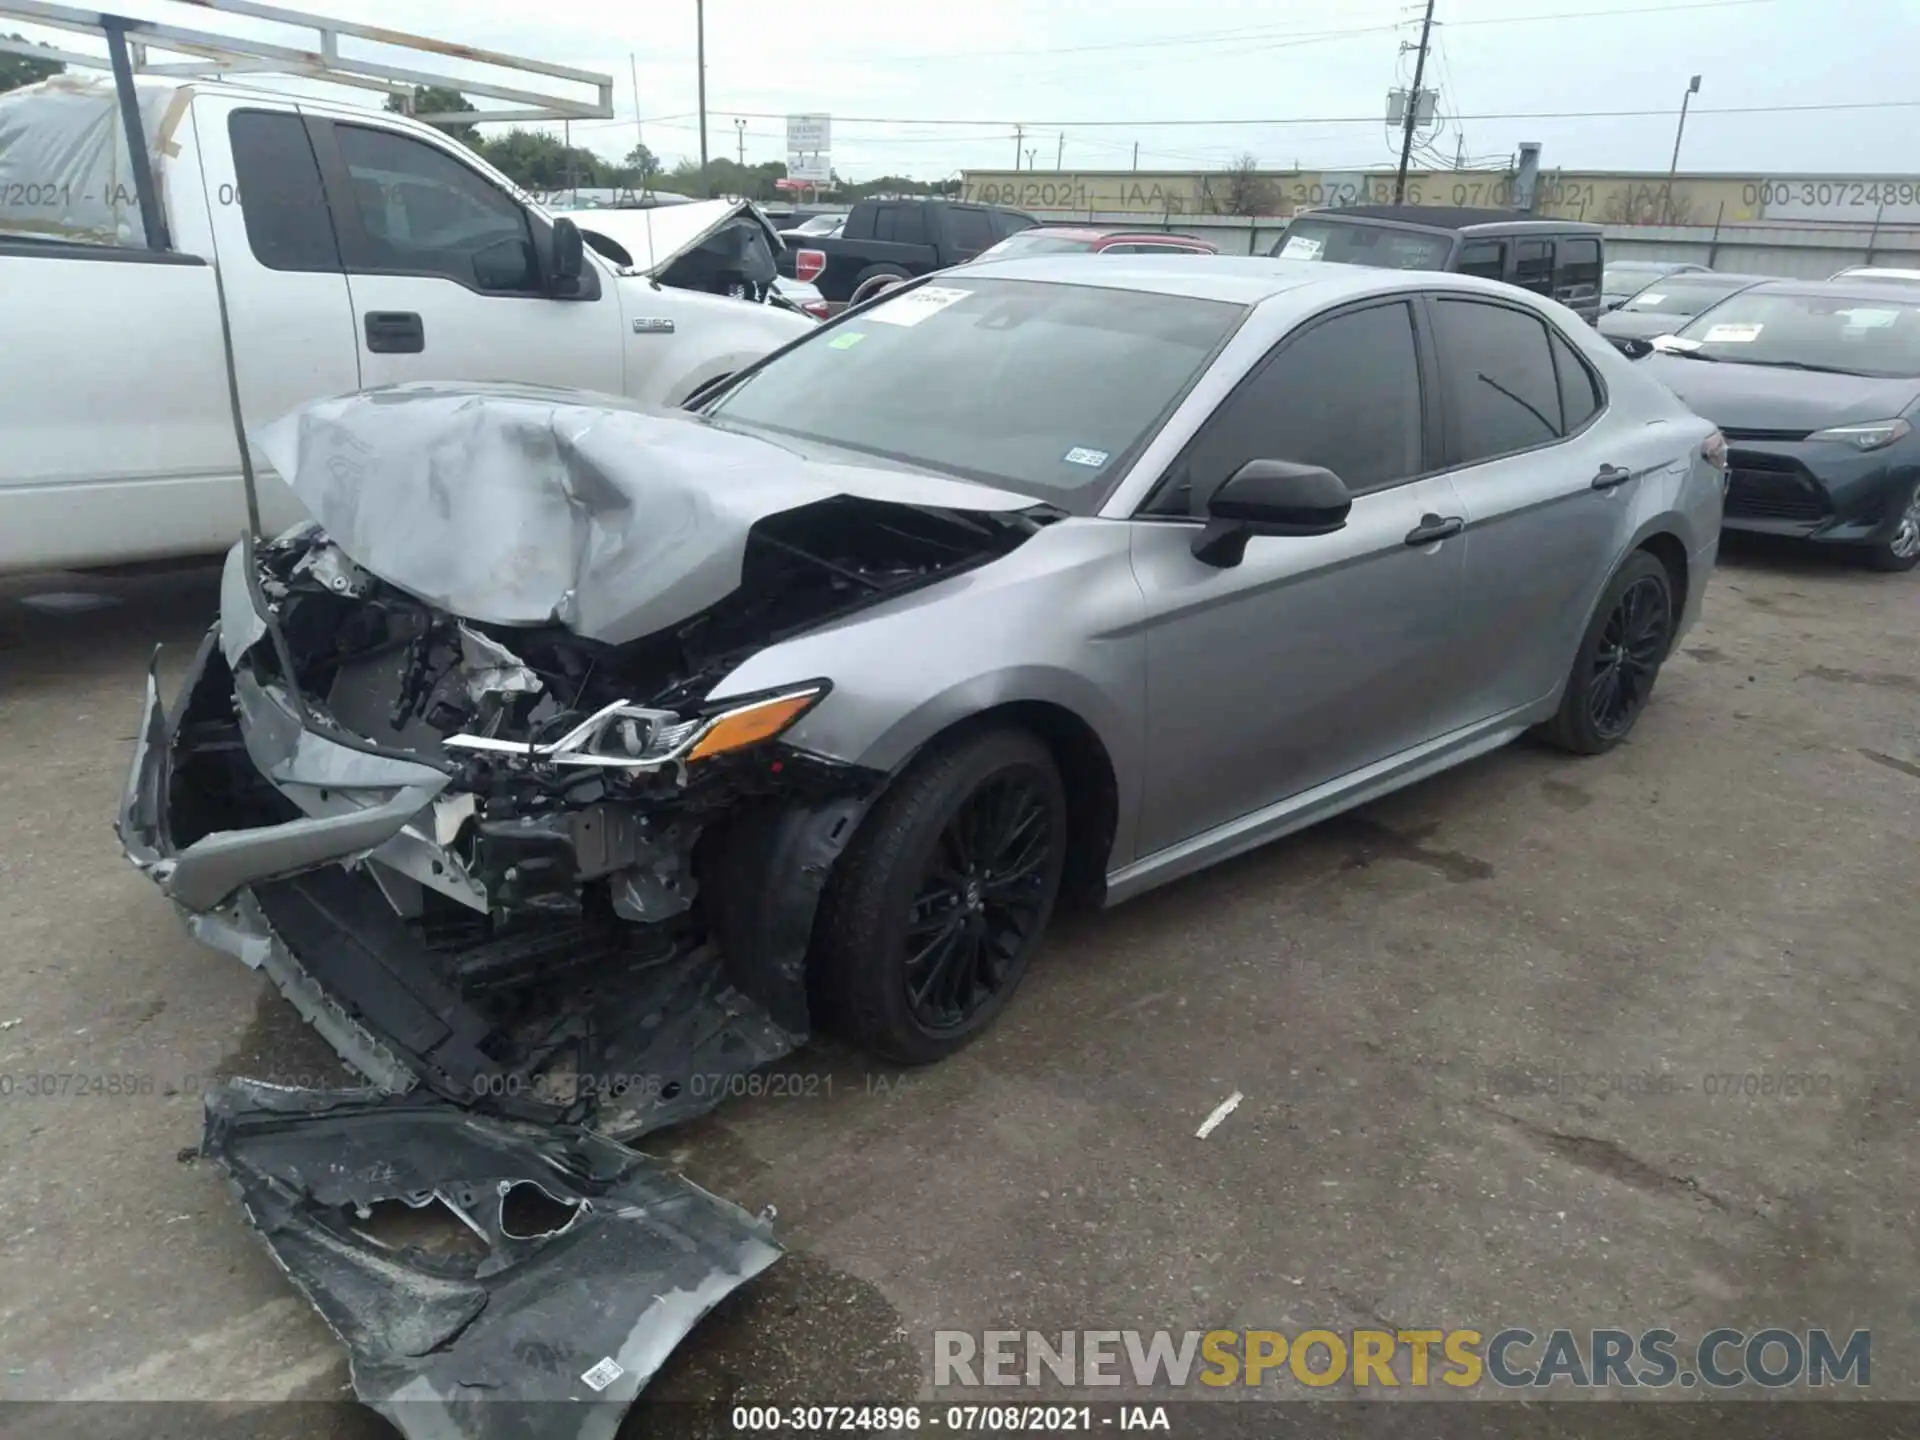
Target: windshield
1029,243
1347,243
1814,332
1044,389
1681,296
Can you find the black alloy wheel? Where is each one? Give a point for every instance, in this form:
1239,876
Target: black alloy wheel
980,899
933,912
1625,643
1632,644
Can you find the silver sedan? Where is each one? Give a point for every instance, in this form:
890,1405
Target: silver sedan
1059,575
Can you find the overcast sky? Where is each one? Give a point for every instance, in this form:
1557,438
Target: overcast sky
878,65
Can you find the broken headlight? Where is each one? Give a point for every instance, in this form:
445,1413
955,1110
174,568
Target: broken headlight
634,737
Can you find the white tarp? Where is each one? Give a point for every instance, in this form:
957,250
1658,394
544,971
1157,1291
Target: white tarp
66,171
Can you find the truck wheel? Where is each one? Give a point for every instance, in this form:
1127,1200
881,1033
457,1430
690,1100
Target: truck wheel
932,914
875,279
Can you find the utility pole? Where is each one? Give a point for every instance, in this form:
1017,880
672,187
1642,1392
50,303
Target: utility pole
1060,151
1136,154
1413,109
639,140
740,137
1019,133
566,143
1666,201
700,51
1032,150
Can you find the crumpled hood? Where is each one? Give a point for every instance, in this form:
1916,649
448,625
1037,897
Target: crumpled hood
1756,397
517,505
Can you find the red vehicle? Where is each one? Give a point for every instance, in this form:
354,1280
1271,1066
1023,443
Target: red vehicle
1081,239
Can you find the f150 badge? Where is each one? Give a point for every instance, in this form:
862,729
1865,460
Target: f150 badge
652,325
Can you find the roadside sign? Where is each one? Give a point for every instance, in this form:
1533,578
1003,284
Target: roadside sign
815,169
809,134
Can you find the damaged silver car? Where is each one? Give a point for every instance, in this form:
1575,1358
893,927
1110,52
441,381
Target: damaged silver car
575,756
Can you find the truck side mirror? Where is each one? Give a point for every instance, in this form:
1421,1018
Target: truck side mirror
569,256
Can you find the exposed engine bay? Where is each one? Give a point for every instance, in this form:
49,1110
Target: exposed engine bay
459,770
544,909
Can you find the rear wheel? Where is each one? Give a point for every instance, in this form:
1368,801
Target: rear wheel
874,280
1618,660
1900,548
935,910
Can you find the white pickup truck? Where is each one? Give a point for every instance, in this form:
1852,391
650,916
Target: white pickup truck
304,248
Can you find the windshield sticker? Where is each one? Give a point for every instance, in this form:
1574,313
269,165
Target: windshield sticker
1674,342
1081,455
1732,334
1301,247
1646,302
1869,319
846,341
916,305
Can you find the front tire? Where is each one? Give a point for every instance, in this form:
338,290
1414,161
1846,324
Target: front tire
932,915
1900,549
1618,660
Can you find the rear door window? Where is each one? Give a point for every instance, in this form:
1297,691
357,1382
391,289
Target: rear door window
281,199
1579,388
969,230
901,224
1533,266
1499,374
1485,258
1577,269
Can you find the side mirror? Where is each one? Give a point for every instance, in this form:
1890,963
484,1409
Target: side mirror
1270,497
569,256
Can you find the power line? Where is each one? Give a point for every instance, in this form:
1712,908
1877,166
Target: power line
1358,119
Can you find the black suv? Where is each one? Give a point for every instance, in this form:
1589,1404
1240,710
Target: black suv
1558,258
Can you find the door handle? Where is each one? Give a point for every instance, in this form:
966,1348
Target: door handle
1611,477
395,332
1435,527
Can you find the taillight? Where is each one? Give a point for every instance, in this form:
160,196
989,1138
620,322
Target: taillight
1714,450
808,263
819,309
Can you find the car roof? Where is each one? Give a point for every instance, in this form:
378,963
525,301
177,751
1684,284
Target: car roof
1668,265
1710,277
1864,290
1236,279
1449,217
1896,272
1068,232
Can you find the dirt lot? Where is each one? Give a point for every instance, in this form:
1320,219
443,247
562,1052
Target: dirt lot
1731,894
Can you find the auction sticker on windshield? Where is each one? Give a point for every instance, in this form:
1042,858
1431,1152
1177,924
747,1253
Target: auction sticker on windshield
1732,334
846,341
1082,455
916,305
1301,247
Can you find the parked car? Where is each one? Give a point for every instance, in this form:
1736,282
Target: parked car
724,247
1087,240
1816,387
301,248
1878,275
1667,304
1556,258
890,240
1623,279
1061,575
816,225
